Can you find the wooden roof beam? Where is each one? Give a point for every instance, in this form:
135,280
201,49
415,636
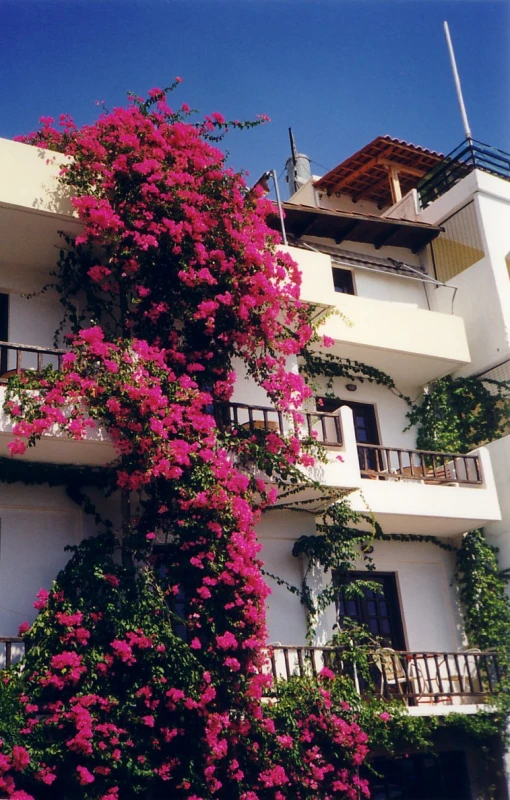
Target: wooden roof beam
339,185
306,226
339,238
396,191
372,189
386,236
418,173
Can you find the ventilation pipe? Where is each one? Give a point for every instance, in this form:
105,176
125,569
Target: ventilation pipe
298,167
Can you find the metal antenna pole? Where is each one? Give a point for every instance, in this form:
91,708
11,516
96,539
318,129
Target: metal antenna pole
279,204
467,129
293,147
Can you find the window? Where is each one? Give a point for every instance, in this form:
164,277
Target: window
379,610
343,281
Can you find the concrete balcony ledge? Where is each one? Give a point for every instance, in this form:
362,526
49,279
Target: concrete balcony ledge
413,345
29,178
56,447
447,495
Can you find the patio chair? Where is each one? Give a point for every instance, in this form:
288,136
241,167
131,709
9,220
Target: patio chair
393,675
471,682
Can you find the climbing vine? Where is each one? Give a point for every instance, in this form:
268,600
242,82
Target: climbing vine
460,414
483,593
326,365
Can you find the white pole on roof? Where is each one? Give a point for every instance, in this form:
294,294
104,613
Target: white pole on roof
467,129
279,204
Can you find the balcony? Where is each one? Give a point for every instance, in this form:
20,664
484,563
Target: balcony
12,650
34,207
468,156
412,344
425,682
323,427
56,447
409,491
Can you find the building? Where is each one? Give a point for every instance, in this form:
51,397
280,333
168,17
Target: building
410,249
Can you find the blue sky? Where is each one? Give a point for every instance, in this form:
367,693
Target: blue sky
340,72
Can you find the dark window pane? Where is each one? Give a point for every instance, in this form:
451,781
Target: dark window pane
421,777
352,608
379,610
342,280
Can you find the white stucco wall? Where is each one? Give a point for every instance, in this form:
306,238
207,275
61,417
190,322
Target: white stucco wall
483,296
33,321
277,533
428,601
498,533
36,523
423,572
390,410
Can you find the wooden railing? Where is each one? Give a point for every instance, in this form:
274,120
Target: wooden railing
326,428
423,465
16,358
417,678
438,677
12,650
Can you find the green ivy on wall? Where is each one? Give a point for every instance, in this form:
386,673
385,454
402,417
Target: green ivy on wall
459,414
483,594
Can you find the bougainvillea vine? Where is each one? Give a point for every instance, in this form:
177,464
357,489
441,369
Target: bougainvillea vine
145,670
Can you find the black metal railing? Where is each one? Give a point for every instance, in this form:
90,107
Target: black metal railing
378,461
12,650
415,677
17,358
469,155
324,427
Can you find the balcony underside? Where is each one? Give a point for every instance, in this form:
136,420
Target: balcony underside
30,238
399,506
406,368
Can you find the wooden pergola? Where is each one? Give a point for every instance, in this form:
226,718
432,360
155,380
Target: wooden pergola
382,171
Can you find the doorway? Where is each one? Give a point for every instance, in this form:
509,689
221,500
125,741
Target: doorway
365,429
